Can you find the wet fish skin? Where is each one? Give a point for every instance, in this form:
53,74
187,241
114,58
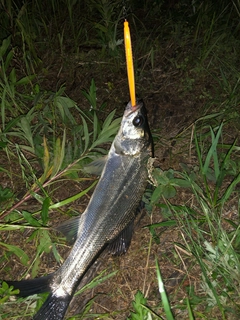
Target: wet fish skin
110,210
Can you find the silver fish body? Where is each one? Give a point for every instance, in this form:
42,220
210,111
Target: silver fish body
110,210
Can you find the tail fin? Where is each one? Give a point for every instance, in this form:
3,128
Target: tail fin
54,308
33,286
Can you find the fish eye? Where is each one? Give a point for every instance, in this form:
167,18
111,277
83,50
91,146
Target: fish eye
138,121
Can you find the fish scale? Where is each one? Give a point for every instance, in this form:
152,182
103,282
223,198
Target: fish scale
98,232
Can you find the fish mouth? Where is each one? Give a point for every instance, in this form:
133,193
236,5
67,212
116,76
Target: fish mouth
132,109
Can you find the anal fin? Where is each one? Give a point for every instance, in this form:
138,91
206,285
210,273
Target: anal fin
122,242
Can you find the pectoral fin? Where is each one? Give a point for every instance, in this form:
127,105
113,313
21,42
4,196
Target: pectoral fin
69,229
96,166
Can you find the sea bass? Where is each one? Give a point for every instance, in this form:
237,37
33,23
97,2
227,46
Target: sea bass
108,216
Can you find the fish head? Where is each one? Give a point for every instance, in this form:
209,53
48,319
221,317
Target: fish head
134,135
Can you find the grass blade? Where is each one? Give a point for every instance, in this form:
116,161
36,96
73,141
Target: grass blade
163,294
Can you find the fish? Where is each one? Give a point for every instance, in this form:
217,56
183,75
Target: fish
107,222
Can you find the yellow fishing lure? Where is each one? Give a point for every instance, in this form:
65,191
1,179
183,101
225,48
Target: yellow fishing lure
129,60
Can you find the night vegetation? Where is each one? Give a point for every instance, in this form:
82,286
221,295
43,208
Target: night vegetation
63,86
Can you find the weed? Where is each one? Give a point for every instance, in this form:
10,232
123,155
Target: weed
206,231
107,27
163,294
57,159
181,50
6,292
141,310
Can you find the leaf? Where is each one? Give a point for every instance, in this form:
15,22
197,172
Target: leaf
161,177
17,251
30,219
56,253
56,159
181,183
45,209
91,95
157,193
101,27
24,124
96,281
169,191
59,153
64,104
209,116
86,133
37,196
109,119
140,309
35,267
168,223
6,291
12,123
73,198
8,59
164,297
213,153
45,243
5,193
46,156
154,234
230,189
95,126
12,76
5,45
106,133
26,80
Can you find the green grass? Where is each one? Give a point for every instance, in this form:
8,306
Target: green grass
42,138
191,52
209,236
